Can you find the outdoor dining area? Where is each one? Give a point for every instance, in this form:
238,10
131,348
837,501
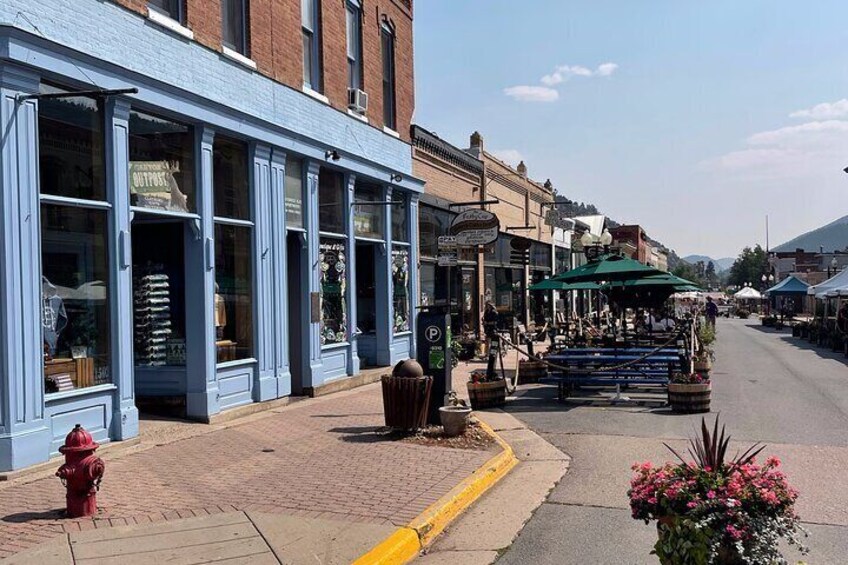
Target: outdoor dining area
624,335
827,303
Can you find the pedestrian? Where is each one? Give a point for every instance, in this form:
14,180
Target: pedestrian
711,310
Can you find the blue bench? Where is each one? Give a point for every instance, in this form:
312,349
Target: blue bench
579,367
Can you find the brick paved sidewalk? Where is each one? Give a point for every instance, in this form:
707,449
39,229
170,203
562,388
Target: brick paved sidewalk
322,458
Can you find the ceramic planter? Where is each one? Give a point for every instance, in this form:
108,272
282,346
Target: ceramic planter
454,419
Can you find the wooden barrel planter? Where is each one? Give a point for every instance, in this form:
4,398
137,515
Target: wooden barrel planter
703,365
689,398
487,394
531,371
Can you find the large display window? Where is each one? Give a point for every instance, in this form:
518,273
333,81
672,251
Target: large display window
333,285
75,283
505,289
233,317
74,297
161,163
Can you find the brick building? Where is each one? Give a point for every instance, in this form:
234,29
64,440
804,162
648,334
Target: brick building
635,236
178,180
521,208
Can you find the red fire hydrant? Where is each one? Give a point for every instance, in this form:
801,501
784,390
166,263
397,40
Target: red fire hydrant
82,472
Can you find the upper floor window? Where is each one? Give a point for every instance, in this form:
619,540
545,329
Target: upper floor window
311,44
354,44
170,8
234,18
388,45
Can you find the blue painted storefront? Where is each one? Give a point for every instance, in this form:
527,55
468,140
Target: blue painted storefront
107,47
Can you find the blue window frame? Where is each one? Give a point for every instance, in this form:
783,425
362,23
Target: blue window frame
234,22
310,25
387,36
353,27
171,8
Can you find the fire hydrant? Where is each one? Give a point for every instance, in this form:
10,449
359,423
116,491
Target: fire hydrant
82,472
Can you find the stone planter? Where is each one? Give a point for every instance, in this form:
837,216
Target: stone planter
689,398
454,419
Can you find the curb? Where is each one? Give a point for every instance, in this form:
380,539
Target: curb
405,543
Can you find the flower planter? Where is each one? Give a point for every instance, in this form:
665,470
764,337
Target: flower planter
487,394
454,419
727,554
531,371
689,398
703,365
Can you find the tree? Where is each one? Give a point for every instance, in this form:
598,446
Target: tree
749,267
689,272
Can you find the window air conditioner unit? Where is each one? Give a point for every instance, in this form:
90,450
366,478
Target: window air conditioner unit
357,100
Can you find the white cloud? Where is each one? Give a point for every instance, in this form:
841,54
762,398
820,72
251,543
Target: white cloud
509,156
806,151
824,111
563,72
532,93
606,69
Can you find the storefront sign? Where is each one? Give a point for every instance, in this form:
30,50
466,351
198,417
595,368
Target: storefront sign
447,259
475,227
557,218
447,243
152,182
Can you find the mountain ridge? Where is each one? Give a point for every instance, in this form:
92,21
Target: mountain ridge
720,264
832,236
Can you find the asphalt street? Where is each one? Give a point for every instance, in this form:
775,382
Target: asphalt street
767,386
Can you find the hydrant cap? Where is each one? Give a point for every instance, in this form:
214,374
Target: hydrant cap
78,440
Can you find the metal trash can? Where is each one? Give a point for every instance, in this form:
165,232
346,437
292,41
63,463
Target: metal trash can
406,396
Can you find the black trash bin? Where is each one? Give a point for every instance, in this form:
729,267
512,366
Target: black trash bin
406,396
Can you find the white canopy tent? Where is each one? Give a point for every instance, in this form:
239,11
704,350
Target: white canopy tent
748,293
838,283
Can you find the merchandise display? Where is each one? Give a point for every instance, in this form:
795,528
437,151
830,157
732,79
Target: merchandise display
152,317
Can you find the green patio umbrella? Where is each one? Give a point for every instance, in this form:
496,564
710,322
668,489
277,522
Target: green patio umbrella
553,284
608,268
666,280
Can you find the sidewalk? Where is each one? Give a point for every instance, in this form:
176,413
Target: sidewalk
320,470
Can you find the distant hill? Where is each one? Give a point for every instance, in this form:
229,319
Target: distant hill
831,237
720,264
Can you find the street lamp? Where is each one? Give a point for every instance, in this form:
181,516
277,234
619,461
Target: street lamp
592,245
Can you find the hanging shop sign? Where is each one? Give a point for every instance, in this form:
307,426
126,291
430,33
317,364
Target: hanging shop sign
557,218
153,185
475,227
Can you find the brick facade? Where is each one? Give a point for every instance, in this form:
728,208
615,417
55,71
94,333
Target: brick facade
275,45
635,236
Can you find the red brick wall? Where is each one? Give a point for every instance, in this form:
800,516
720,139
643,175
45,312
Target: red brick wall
275,45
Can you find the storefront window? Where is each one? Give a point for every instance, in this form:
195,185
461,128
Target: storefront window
294,193
331,210
70,146
231,178
161,163
561,259
233,292
432,222
505,289
400,288
74,297
333,286
367,216
400,224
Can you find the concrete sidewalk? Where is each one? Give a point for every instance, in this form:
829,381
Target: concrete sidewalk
317,482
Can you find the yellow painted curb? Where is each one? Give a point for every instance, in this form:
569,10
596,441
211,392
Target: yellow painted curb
400,547
404,544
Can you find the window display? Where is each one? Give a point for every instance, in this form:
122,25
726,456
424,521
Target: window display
70,146
332,216
233,292
152,310
230,178
368,217
400,289
333,287
161,163
75,313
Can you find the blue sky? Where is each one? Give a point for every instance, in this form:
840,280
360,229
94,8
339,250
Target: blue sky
694,119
